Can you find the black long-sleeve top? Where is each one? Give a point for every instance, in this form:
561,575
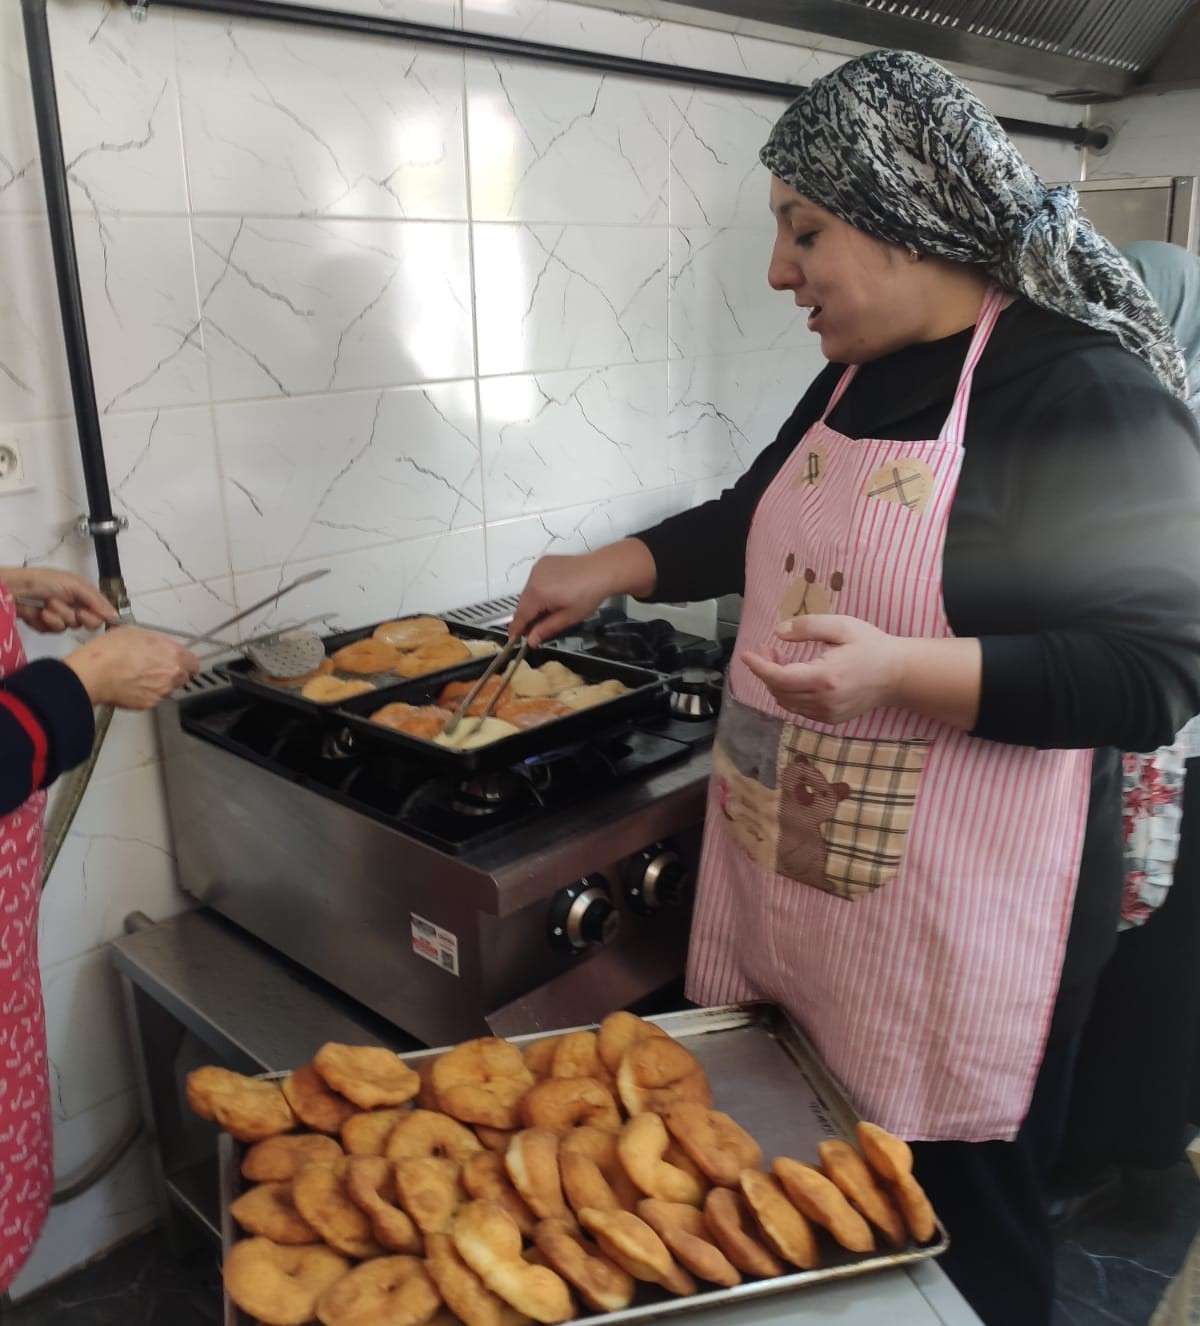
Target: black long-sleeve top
46,727
1072,553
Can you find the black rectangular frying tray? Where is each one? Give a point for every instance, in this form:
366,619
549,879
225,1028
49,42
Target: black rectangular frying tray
647,691
240,672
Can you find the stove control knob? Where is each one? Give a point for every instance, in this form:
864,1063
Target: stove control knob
583,914
658,879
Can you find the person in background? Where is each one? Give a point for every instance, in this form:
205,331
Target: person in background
46,727
1136,1096
971,568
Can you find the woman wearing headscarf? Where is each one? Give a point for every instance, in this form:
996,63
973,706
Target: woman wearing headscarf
971,567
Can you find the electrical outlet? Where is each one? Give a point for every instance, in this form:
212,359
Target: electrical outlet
12,471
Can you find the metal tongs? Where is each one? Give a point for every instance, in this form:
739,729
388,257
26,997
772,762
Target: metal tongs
510,657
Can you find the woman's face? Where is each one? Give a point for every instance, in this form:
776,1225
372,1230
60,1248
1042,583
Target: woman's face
864,295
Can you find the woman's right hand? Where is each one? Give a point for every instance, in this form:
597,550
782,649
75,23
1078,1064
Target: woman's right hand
561,591
131,668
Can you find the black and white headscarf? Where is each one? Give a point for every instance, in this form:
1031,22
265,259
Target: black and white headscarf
897,147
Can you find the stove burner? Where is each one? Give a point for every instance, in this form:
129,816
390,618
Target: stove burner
487,793
695,693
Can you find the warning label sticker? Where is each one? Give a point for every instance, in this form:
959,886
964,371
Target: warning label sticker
434,944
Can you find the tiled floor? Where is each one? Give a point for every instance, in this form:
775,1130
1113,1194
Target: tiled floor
1113,1267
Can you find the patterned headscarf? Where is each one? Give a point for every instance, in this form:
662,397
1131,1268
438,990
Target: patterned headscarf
900,149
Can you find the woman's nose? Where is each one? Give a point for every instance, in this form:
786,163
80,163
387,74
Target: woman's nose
783,272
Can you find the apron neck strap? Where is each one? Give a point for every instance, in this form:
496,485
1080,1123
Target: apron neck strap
989,311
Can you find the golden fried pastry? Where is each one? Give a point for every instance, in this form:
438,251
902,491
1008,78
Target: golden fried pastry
367,1134
323,669
368,1075
313,1103
279,1285
415,720
268,1210
490,1243
471,1301
683,1230
482,648
641,1146
494,1139
532,1164
409,632
558,677
528,682
278,1158
471,733
201,1084
636,1248
251,1113
590,1167
485,1175
365,657
584,697
583,1184
539,1055
891,1158
657,1073
820,1200
530,711
577,1054
450,696
422,1133
392,1290
845,1167
716,1145
786,1231
601,1283
371,1186
319,1191
619,1033
733,1230
429,1190
333,690
482,1081
444,652
561,1103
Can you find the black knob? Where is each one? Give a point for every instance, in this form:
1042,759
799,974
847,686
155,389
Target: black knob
657,879
696,681
695,693
583,914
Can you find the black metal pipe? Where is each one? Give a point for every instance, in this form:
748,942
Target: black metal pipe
514,48
70,297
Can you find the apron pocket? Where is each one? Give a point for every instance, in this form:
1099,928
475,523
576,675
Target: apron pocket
845,808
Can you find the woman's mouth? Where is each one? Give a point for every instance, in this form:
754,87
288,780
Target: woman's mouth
814,316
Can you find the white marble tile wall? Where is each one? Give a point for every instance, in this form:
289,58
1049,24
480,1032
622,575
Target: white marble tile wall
414,315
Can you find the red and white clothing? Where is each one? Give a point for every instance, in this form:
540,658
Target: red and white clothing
46,725
904,888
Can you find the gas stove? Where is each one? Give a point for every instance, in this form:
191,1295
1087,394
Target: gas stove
537,895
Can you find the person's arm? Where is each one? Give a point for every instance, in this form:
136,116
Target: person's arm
1106,555
46,727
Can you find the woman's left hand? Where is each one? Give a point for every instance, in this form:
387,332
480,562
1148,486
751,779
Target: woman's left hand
71,601
860,668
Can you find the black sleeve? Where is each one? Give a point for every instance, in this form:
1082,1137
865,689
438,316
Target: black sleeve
701,553
1106,550
46,727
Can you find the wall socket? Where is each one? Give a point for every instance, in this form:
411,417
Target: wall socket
12,469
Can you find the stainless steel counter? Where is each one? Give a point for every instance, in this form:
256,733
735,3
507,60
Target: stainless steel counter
199,990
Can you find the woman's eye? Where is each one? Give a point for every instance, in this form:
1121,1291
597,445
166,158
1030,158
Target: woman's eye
805,240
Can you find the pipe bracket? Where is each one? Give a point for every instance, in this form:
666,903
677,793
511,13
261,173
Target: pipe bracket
86,527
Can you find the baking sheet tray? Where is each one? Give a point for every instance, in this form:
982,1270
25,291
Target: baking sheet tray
244,675
646,691
765,1073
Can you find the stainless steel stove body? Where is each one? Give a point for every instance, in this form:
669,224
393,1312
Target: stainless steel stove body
537,917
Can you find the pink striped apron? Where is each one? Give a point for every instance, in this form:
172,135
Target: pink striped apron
26,1169
902,888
